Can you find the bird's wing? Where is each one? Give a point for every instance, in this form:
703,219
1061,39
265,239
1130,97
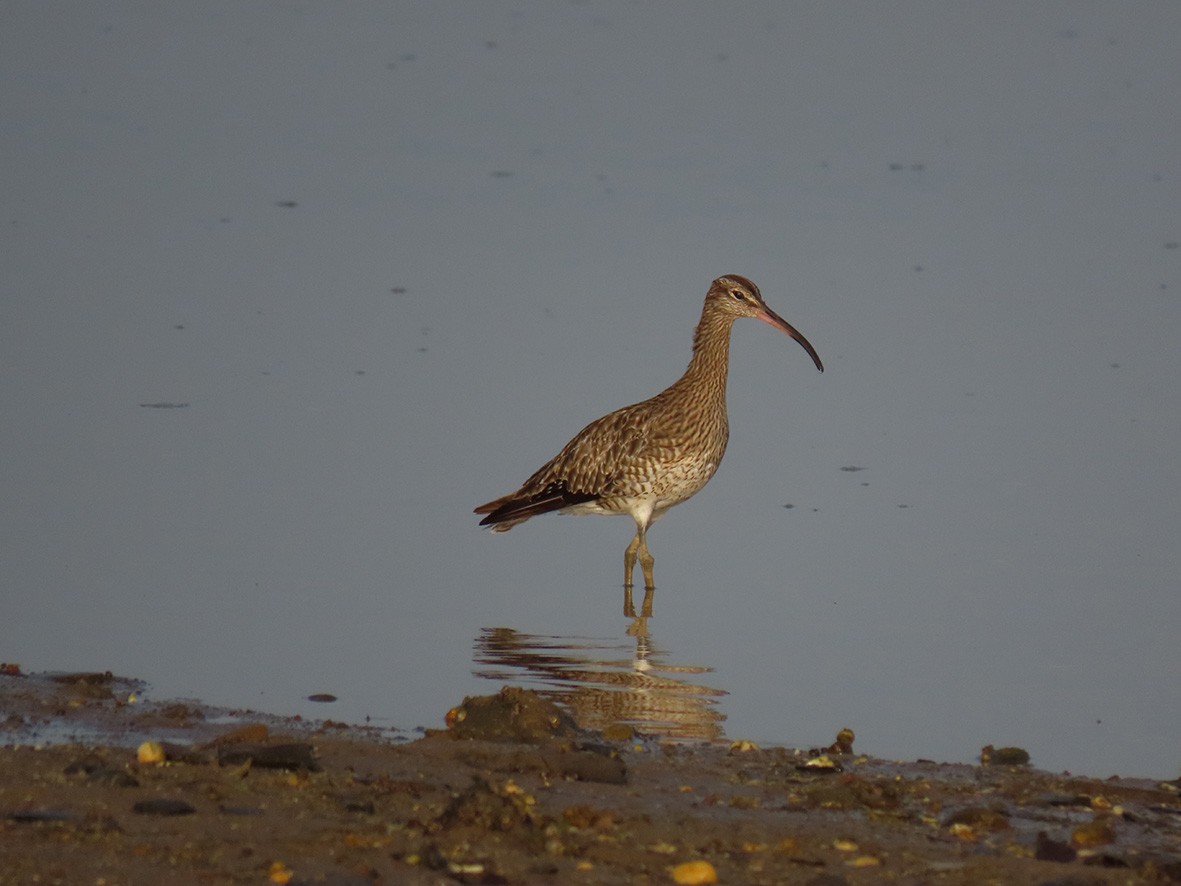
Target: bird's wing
591,466
601,454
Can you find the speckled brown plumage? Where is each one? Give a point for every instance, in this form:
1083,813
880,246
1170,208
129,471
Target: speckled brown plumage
643,459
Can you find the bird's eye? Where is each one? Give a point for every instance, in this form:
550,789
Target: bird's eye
738,294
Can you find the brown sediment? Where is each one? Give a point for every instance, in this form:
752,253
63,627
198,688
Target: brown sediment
515,793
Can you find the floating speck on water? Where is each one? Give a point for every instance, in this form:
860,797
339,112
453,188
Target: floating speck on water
852,468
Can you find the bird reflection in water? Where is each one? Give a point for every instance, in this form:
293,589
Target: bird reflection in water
606,683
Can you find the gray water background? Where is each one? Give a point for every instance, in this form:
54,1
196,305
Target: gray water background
242,439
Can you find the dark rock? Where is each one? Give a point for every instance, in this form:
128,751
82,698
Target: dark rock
513,714
1106,860
34,816
990,756
300,757
1053,850
182,753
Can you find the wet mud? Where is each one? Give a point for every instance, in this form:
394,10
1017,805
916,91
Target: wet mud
97,788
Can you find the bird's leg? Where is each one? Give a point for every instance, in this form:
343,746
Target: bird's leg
629,559
638,549
646,559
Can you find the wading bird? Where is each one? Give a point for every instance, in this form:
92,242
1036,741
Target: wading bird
643,459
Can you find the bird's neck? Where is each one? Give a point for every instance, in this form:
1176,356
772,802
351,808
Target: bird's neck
707,370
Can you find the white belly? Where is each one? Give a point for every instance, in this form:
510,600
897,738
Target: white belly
648,496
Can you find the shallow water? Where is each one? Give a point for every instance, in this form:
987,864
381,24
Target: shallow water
382,266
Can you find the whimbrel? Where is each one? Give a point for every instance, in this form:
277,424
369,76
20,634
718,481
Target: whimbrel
643,459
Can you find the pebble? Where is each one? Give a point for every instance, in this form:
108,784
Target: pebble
694,873
151,752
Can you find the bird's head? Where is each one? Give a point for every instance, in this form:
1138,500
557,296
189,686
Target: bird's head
737,296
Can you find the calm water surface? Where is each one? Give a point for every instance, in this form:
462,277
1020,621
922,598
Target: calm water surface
288,293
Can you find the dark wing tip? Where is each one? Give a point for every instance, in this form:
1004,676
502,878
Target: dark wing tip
490,519
553,497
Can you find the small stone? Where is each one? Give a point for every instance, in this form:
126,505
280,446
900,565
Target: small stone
962,831
690,873
822,763
863,861
843,744
990,756
151,753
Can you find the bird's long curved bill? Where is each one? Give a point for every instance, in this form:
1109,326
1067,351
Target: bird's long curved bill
770,317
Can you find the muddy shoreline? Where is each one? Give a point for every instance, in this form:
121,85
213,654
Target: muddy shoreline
130,792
